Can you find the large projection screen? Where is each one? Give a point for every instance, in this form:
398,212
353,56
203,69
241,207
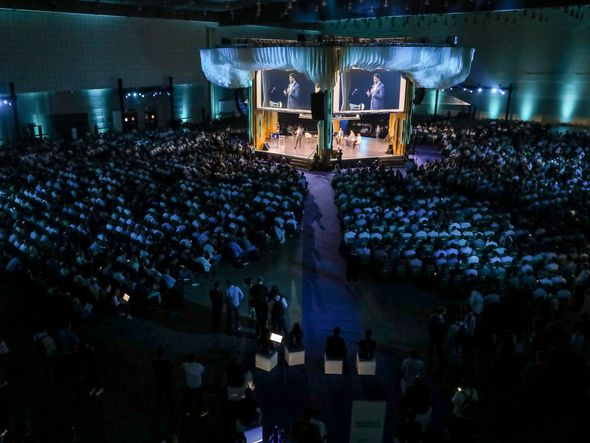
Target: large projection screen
371,92
284,91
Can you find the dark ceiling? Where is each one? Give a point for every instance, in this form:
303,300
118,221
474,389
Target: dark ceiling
290,13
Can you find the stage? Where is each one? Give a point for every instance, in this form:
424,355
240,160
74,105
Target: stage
370,149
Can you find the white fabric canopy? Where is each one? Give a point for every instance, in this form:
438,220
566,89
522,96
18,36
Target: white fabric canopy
235,67
428,67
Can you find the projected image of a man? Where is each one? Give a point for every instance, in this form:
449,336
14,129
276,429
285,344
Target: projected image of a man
293,93
376,93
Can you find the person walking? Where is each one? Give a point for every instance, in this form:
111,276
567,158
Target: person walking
216,298
277,314
163,370
46,352
259,300
233,298
436,332
193,378
299,133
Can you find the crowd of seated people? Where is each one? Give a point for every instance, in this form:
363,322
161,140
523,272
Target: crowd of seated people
501,224
505,212
140,216
441,133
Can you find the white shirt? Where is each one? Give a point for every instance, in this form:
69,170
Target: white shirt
234,294
193,374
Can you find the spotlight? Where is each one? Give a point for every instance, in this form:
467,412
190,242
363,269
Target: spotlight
135,94
494,90
479,89
502,92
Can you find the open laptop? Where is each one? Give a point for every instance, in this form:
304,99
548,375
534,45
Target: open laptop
253,435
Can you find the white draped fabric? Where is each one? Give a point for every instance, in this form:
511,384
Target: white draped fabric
235,67
428,67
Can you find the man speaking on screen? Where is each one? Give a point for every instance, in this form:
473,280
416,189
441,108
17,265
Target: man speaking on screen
293,93
376,93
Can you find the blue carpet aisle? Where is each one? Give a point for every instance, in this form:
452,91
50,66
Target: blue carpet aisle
327,301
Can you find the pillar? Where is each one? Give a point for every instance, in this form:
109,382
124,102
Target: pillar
251,117
13,98
121,102
325,131
171,91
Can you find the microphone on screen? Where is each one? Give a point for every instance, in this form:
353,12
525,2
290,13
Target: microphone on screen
353,92
273,89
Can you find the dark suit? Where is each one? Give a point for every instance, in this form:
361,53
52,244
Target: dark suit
294,97
335,347
377,96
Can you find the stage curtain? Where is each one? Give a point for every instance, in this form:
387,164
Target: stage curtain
235,67
427,67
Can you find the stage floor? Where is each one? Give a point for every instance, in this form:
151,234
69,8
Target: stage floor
370,147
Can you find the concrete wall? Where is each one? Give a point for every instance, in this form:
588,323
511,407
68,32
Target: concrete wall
70,63
547,61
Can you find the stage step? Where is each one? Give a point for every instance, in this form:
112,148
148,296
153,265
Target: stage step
396,161
300,163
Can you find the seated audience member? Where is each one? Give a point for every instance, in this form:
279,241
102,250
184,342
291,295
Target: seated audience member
306,430
249,413
121,305
265,345
296,337
412,367
237,375
335,347
367,346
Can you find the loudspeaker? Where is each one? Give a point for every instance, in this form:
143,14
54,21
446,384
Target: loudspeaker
419,95
318,100
266,147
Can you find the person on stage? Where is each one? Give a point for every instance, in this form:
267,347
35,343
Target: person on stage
376,93
339,137
299,133
356,143
293,93
351,138
377,132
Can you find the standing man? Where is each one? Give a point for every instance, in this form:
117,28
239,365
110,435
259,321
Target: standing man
163,370
293,93
277,314
412,367
193,377
233,297
259,299
216,298
376,93
436,331
299,133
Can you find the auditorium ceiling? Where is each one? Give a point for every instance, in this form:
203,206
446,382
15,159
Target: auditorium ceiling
295,13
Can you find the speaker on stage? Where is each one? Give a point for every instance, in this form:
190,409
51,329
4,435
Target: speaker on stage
266,147
389,149
419,95
318,100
